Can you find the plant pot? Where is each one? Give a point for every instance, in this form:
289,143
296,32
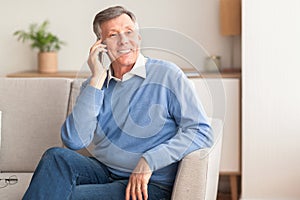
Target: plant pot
47,62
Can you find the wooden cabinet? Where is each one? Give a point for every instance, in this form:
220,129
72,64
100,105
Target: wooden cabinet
220,97
224,105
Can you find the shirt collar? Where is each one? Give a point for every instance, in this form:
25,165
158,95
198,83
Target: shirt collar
138,69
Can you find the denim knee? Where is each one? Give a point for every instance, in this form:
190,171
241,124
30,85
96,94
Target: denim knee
53,151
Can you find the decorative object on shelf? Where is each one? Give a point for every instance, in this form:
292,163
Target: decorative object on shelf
213,63
47,44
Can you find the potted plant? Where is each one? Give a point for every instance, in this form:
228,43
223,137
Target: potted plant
47,44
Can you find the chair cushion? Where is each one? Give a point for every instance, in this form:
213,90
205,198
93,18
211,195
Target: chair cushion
33,110
15,191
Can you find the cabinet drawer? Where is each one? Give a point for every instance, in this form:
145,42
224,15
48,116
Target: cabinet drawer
220,98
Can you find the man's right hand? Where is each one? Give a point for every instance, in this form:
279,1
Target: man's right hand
98,70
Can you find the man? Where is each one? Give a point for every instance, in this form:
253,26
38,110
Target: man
141,114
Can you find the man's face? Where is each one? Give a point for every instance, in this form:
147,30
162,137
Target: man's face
122,40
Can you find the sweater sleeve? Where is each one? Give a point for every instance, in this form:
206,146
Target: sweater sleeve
78,130
194,130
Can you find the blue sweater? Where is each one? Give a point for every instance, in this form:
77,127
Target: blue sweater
157,117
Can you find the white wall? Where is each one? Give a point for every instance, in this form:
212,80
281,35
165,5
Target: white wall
271,108
71,20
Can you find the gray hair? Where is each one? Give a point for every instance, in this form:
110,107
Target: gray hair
108,14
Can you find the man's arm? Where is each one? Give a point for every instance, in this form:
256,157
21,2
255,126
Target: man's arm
194,129
78,130
194,132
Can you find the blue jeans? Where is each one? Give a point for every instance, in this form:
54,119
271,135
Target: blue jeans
65,174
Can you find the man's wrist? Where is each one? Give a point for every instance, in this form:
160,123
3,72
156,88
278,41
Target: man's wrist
98,80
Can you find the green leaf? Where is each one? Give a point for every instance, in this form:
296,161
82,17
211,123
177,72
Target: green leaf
40,37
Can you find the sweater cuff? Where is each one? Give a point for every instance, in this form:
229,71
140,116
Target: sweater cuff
155,161
91,95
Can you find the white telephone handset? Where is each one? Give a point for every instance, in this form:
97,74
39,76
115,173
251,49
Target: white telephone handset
104,60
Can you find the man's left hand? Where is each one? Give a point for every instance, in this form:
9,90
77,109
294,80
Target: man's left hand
137,187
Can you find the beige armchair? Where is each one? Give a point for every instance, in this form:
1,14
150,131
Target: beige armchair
198,173
26,133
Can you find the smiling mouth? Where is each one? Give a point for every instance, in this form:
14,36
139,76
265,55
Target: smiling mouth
125,51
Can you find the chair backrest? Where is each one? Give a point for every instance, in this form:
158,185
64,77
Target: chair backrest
198,173
75,90
33,110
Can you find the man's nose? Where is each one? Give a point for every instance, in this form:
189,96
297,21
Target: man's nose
123,39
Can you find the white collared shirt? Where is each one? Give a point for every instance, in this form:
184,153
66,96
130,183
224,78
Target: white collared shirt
138,69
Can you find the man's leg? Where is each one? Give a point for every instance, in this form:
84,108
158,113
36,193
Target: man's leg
116,191
60,170
109,191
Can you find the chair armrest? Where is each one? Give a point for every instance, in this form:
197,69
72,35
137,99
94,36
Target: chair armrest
191,176
198,172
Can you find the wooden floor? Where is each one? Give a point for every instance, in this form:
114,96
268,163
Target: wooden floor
222,196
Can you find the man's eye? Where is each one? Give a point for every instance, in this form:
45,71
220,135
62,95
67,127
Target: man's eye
113,35
129,32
